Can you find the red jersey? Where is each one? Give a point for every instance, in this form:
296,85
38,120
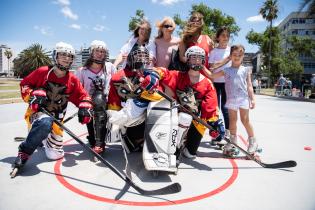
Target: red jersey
59,90
199,97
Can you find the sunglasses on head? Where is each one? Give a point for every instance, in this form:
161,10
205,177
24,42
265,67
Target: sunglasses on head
167,26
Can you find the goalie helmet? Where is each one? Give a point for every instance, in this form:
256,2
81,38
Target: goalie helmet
195,58
63,49
138,58
101,46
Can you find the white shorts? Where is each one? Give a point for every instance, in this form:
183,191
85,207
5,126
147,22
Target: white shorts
237,103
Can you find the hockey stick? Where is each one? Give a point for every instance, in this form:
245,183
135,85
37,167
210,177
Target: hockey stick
170,189
70,118
285,164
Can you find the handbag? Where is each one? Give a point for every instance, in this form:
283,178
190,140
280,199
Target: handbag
175,63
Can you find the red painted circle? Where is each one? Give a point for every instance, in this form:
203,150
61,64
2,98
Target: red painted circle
74,189
308,148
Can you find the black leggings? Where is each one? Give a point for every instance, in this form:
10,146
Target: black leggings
221,94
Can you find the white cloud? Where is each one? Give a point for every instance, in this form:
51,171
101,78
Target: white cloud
45,30
63,2
166,2
99,27
75,26
103,17
257,18
67,12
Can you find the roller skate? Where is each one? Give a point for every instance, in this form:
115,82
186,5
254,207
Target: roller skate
253,146
99,150
19,162
229,149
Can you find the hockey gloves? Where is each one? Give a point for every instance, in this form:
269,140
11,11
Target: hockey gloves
38,99
217,132
151,80
85,112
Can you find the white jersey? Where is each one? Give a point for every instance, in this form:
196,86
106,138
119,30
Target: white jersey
86,76
216,55
236,83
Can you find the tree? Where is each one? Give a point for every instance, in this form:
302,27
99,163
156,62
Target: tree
8,54
213,18
290,63
133,23
263,41
269,11
302,44
310,4
30,59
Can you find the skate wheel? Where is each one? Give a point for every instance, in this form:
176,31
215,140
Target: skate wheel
259,150
14,172
155,174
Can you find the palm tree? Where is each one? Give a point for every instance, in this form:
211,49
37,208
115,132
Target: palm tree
30,59
8,54
269,11
310,4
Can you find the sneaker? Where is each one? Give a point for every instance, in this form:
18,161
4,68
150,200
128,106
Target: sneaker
252,145
187,154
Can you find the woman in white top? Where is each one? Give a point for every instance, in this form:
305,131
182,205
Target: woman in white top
141,36
165,42
219,56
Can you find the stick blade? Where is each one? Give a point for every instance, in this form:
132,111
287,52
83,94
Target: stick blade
285,164
170,189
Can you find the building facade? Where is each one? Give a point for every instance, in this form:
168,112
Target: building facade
298,24
6,65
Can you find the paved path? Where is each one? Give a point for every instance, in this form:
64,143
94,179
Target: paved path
283,128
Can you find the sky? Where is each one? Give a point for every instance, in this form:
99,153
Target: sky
79,22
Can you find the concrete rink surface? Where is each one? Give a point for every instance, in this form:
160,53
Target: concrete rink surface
284,130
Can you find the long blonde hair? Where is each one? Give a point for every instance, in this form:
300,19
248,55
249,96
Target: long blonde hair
191,29
160,24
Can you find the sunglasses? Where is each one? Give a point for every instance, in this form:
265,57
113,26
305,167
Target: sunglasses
167,26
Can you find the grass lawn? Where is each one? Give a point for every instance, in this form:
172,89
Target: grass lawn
8,95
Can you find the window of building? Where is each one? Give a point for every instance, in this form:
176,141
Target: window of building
294,32
295,21
301,21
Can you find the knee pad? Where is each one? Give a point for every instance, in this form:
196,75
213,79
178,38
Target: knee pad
53,147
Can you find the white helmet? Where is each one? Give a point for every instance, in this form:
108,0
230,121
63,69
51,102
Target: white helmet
97,44
62,47
195,52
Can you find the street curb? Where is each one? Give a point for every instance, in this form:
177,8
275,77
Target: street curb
289,97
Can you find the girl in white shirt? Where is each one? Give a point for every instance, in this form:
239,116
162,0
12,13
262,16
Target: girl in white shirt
219,56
